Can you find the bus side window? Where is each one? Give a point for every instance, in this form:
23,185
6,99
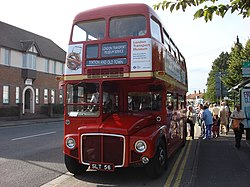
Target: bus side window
169,102
155,30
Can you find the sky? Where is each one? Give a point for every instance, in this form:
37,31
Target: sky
199,42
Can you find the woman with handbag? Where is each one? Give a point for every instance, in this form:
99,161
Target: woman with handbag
238,127
191,120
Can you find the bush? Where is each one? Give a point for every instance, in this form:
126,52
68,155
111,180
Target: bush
58,109
44,109
9,111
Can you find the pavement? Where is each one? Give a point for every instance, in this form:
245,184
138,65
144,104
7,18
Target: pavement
220,163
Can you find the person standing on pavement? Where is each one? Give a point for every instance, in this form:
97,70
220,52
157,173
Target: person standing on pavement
228,115
223,115
216,122
238,115
215,112
200,120
208,120
191,120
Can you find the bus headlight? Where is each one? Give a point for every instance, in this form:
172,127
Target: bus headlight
70,143
140,146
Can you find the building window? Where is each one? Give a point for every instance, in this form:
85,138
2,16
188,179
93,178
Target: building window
54,70
52,96
29,61
5,94
61,96
17,95
45,96
46,65
59,68
62,68
37,96
53,66
7,57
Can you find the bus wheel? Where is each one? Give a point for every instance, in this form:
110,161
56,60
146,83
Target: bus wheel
158,164
74,166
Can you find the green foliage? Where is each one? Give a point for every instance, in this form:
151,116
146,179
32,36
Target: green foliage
231,67
240,6
219,65
246,52
58,109
234,71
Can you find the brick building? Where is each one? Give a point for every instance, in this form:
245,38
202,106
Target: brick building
195,98
29,64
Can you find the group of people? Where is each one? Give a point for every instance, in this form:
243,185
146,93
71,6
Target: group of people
215,121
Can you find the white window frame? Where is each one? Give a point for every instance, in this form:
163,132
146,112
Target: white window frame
29,61
61,96
37,95
52,96
6,94
17,95
46,96
46,65
7,57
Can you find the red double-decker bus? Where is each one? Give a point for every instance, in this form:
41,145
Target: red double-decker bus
125,83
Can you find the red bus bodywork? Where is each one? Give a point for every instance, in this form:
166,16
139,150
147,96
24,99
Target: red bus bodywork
140,80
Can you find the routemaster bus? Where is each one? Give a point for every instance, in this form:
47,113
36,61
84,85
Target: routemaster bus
125,84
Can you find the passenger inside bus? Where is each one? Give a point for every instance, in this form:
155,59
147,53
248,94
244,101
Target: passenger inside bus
95,97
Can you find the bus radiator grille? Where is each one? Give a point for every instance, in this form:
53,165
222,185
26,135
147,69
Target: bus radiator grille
105,73
103,148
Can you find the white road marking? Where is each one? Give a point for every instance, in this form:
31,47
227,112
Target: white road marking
35,135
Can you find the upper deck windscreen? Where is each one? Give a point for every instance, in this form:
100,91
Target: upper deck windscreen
127,26
119,27
89,30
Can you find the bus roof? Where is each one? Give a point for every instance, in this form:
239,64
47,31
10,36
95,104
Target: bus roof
115,10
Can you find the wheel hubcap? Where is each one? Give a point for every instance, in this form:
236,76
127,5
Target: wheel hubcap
162,156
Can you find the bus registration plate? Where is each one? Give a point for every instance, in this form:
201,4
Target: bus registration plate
102,166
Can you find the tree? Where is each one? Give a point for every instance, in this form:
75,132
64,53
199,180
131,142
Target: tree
234,71
240,6
246,51
219,65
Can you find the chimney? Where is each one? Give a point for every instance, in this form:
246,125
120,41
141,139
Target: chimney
199,92
195,92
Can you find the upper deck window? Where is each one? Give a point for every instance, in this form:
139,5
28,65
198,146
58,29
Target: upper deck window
89,30
127,26
155,30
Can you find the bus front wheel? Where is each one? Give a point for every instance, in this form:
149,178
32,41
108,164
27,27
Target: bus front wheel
158,164
74,166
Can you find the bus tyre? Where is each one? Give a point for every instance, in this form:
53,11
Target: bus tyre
158,164
74,166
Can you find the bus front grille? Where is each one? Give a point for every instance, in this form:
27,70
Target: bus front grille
105,73
103,148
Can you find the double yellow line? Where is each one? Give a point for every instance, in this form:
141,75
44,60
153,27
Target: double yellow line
180,171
